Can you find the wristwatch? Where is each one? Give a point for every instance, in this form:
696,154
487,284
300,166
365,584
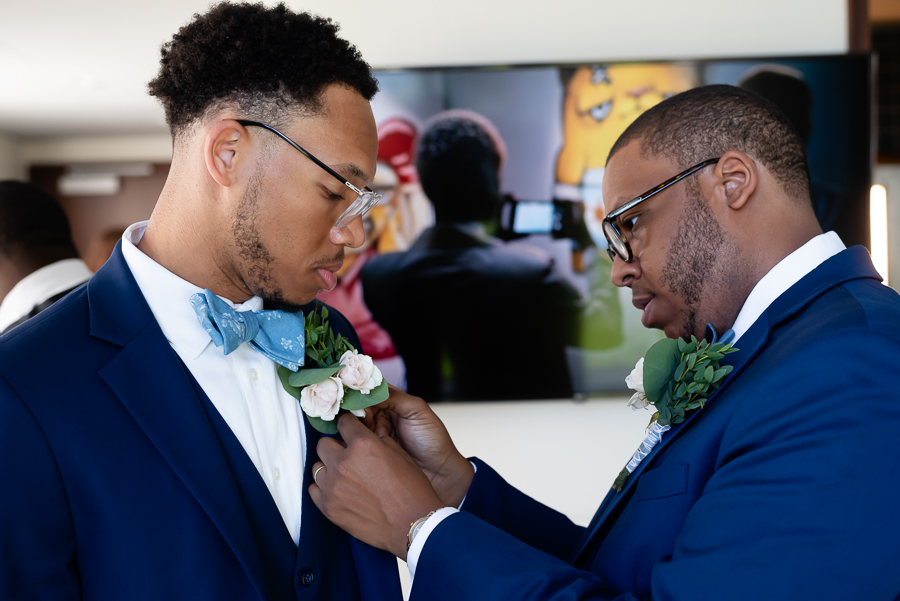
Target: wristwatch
414,528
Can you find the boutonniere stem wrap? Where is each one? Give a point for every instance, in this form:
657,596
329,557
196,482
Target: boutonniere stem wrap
343,379
676,377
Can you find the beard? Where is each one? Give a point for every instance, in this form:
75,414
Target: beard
256,260
700,263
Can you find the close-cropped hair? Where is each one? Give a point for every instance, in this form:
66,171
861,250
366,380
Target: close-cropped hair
706,122
33,226
265,62
459,158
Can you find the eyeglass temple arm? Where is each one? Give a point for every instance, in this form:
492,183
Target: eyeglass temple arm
303,151
631,203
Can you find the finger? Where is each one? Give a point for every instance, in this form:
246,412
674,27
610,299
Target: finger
350,428
318,472
404,405
329,449
384,426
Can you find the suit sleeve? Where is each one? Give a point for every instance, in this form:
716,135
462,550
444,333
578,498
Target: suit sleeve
37,540
799,506
493,500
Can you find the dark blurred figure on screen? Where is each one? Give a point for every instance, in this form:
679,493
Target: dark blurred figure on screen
38,261
466,312
785,88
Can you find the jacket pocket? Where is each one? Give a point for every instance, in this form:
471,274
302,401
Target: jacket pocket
665,481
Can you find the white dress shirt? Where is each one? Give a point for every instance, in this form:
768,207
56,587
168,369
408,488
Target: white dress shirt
244,385
40,285
780,278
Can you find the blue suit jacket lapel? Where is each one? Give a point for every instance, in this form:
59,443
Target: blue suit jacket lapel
150,381
854,263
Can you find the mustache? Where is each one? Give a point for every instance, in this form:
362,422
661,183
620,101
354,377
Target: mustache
329,261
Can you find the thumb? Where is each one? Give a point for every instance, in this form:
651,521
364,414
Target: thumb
350,427
404,406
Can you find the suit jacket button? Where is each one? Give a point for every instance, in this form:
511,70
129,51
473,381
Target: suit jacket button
307,578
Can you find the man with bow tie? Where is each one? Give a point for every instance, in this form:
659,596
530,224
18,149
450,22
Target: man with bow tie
147,447
780,487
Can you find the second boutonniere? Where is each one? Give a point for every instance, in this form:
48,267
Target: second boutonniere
675,377
343,378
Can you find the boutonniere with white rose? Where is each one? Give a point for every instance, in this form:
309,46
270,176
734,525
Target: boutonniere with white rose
343,378
675,377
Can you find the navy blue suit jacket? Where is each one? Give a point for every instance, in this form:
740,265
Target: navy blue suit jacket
783,487
120,480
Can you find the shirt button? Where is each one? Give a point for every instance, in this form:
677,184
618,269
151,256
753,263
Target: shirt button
253,375
307,578
276,473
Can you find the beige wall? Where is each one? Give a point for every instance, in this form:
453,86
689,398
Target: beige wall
11,165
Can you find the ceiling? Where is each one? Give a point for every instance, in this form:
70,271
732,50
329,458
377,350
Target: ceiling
80,67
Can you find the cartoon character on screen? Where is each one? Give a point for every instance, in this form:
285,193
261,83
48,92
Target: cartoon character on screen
404,212
599,102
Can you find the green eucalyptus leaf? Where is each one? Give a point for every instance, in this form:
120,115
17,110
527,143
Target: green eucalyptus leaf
715,356
708,374
324,312
354,399
284,374
680,392
716,348
322,426
720,373
306,377
689,348
679,373
659,366
728,369
681,345
692,359
312,353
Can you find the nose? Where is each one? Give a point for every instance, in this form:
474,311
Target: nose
623,274
351,235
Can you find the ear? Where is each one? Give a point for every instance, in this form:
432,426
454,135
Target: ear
736,179
225,150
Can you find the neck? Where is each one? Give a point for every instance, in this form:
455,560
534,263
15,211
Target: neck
183,236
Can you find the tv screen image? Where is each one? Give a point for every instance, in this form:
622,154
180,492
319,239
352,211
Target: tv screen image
520,305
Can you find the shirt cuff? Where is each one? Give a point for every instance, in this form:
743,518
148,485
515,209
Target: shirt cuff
415,549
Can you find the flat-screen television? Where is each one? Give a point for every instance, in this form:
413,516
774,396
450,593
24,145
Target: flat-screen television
486,337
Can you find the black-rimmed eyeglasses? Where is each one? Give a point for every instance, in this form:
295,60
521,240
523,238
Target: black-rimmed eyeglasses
366,198
618,244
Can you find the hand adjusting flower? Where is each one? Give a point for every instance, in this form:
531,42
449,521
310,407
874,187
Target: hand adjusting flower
275,334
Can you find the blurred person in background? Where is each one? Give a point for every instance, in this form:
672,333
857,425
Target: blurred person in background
459,300
38,261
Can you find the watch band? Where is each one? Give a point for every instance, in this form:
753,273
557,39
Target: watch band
414,528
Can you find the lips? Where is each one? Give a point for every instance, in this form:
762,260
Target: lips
328,275
644,303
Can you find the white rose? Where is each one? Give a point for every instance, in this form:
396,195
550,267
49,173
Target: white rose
635,380
322,399
359,372
638,401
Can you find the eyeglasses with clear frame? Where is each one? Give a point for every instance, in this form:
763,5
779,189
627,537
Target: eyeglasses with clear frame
365,199
618,244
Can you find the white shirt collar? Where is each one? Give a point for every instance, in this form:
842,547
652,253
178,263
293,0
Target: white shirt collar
169,296
785,274
40,285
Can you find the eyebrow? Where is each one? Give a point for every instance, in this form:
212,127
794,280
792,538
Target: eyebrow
349,170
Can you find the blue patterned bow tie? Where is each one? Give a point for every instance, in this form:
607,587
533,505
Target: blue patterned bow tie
713,338
276,334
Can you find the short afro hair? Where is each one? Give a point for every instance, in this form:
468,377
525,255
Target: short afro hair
34,229
264,61
706,122
459,158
